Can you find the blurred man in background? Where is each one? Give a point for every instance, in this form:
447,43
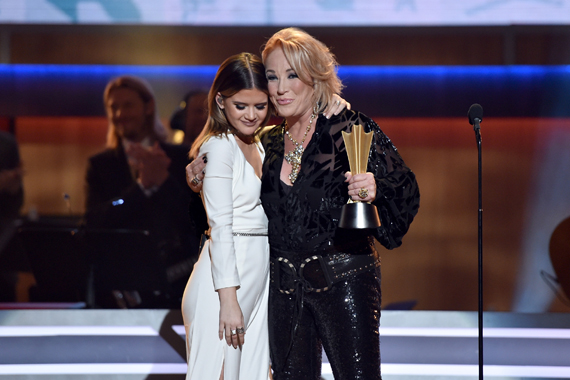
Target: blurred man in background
138,183
190,117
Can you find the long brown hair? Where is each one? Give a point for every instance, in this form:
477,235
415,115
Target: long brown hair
242,71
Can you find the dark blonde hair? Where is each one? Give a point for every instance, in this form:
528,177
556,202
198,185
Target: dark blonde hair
242,71
312,60
152,123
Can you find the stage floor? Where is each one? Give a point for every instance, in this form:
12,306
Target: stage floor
149,344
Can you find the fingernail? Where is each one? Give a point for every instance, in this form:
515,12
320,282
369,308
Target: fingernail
205,159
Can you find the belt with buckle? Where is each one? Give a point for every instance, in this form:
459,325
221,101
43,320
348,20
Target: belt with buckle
319,273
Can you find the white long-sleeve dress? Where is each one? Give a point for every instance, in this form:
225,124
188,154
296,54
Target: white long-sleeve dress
231,197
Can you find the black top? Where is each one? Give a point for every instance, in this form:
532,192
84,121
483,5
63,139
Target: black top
305,217
109,179
115,202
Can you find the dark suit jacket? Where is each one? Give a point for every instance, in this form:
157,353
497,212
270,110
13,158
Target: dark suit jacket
10,204
11,256
115,201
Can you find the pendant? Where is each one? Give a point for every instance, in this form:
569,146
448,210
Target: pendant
293,158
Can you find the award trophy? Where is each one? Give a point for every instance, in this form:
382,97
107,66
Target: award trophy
357,214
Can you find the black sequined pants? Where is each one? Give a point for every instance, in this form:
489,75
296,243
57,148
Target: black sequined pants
343,320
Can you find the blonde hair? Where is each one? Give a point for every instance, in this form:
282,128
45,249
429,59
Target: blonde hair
312,60
242,71
153,125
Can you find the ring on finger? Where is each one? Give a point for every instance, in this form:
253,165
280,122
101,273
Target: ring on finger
363,193
234,332
195,181
240,330
338,102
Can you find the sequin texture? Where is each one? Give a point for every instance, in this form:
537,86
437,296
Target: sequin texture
343,320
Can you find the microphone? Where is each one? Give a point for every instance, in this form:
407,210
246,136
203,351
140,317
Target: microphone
67,200
475,114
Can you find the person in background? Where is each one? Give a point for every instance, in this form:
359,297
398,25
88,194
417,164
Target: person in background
138,182
11,189
11,201
189,119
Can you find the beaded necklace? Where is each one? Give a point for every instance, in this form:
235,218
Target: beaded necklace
293,158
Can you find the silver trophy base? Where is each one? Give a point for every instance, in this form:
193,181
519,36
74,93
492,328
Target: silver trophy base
359,215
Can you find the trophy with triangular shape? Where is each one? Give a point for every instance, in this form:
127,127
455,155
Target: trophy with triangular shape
357,214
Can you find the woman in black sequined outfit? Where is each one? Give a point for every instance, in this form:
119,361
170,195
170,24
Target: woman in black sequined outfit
334,300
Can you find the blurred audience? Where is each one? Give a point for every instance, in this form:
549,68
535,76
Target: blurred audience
11,200
190,117
138,183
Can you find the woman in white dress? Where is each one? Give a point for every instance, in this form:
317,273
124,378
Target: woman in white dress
225,301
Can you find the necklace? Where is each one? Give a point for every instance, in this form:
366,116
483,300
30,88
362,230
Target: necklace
293,158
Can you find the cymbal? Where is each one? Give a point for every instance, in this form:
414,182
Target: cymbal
559,249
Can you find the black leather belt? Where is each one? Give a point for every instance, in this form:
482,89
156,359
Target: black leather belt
317,273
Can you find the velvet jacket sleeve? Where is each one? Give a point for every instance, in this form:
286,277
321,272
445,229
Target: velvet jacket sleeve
397,192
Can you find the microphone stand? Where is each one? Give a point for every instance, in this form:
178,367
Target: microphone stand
480,249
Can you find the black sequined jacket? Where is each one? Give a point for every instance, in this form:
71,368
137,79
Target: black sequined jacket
304,217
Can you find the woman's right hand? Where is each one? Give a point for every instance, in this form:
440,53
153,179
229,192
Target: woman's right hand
231,318
195,172
336,106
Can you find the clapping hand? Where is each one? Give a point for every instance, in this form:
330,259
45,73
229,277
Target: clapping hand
151,164
11,180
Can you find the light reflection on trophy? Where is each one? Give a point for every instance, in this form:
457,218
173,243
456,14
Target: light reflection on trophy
357,214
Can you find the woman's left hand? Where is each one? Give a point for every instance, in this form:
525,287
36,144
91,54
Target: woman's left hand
361,187
337,105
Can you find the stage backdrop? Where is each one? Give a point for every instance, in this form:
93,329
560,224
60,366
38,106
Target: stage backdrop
57,115
292,12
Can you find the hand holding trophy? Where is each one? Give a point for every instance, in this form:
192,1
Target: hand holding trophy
357,214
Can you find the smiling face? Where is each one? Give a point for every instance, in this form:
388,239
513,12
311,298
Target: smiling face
245,111
291,96
128,113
